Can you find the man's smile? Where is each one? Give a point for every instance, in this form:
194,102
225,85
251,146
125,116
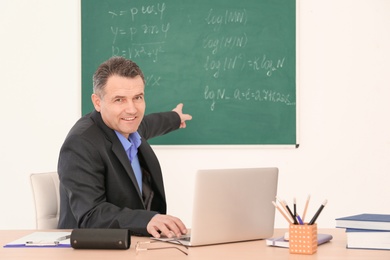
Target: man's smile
128,118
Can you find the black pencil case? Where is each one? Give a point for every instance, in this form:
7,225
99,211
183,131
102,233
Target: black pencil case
100,239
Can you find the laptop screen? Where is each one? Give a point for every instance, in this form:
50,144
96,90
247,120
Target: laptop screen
233,205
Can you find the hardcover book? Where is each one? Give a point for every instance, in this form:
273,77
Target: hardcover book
365,221
368,239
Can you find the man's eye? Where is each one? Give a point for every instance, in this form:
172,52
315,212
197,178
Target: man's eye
118,100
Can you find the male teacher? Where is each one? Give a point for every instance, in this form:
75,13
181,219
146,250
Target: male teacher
109,175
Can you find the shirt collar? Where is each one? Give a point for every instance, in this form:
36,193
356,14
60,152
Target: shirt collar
135,139
130,145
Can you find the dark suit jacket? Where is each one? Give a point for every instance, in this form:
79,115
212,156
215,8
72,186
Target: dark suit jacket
98,188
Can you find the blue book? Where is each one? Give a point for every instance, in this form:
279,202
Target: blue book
368,239
281,242
365,221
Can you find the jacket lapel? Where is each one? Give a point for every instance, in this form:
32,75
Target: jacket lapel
117,149
150,162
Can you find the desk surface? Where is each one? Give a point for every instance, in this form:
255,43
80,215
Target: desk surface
336,249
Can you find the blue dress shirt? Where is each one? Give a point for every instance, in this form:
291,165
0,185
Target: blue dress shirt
131,147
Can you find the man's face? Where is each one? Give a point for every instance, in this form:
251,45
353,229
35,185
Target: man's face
123,105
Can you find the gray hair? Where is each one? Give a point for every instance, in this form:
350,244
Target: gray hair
114,66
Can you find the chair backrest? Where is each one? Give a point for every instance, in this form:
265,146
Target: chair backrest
45,188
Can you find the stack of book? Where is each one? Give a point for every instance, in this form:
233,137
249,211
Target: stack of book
366,231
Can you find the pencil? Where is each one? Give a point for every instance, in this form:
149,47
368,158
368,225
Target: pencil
285,208
306,205
289,211
295,207
281,212
313,220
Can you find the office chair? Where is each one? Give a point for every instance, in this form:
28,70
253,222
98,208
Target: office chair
45,188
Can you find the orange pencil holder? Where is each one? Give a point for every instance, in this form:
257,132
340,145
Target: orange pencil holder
303,239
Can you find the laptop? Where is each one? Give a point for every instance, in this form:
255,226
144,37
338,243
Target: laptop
232,205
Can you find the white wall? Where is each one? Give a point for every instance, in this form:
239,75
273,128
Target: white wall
344,128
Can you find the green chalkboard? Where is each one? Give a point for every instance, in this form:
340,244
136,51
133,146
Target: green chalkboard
232,63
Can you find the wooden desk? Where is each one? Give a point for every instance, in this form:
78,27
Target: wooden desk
336,249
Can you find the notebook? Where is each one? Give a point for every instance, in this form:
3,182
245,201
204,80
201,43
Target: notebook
232,205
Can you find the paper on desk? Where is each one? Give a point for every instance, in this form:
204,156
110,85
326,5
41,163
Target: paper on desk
40,239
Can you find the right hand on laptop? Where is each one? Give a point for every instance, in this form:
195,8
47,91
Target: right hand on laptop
166,225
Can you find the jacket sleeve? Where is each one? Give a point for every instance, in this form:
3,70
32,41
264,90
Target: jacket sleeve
158,124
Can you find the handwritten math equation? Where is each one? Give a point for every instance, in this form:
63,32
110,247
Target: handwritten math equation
245,95
147,31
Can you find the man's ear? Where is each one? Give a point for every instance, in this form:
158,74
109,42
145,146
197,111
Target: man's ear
96,102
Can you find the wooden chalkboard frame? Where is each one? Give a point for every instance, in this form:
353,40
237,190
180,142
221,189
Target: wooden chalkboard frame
232,64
